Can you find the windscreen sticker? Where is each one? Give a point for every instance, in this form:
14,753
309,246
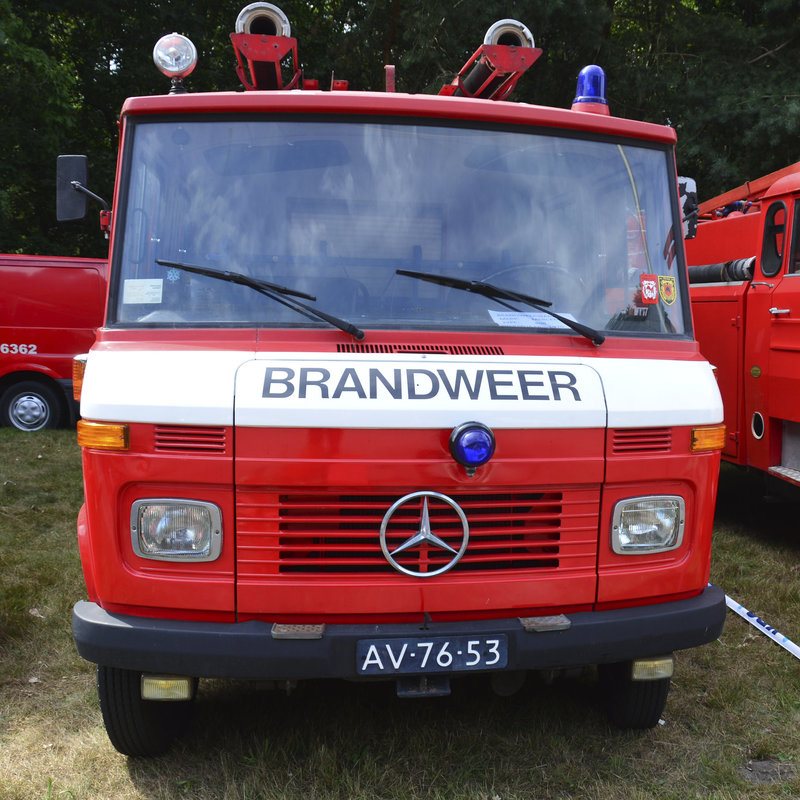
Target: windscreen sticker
142,290
649,289
667,289
526,319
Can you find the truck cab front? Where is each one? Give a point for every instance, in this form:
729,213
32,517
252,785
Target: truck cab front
393,386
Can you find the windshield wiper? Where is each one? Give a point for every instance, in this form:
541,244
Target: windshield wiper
273,290
501,295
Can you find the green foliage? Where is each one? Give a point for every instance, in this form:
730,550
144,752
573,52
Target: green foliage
721,71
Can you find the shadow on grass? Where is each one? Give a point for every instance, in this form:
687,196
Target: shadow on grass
335,739
764,510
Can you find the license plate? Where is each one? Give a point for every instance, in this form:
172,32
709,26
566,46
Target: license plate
412,655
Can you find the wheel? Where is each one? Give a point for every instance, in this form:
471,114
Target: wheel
630,703
31,406
138,727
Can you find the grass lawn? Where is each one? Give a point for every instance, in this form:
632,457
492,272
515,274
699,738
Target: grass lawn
731,728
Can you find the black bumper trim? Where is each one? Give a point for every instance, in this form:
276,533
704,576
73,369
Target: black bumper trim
247,649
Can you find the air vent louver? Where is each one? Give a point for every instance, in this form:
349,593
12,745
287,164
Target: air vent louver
637,441
441,349
189,439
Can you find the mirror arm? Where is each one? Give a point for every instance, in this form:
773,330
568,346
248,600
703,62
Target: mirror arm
79,187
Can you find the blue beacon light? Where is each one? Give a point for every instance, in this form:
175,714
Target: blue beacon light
472,445
590,94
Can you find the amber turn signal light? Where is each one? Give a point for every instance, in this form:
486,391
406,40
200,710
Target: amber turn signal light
102,435
704,439
78,370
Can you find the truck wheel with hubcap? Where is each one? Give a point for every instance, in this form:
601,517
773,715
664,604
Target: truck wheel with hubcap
138,727
31,406
629,703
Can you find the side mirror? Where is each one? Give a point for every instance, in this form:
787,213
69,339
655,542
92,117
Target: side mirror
71,203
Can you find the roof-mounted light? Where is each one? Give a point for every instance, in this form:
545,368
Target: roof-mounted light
176,56
590,94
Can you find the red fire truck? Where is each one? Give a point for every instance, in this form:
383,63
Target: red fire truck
390,387
745,293
50,308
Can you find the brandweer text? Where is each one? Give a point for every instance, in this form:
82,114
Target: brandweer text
420,384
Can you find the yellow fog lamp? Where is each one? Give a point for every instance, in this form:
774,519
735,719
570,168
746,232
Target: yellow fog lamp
653,669
167,687
704,439
102,435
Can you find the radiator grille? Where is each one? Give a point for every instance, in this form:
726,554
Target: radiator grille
334,534
636,441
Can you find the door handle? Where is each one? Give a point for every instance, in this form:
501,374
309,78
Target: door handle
775,311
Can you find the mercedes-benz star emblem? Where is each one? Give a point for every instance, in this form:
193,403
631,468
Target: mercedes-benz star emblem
425,536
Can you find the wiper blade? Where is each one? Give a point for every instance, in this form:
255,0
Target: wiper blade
478,287
236,277
273,290
501,295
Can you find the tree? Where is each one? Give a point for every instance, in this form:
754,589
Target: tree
36,94
720,71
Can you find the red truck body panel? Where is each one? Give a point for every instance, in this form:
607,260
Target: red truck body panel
749,328
50,310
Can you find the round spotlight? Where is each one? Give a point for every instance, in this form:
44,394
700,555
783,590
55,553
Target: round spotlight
175,55
472,445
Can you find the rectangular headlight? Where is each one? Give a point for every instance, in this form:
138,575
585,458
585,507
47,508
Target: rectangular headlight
176,530
648,524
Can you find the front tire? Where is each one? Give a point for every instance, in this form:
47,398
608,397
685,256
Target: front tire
138,727
632,704
31,406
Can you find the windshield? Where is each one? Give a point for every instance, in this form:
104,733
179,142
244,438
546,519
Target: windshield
343,212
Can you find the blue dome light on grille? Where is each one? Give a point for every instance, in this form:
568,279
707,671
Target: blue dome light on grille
472,445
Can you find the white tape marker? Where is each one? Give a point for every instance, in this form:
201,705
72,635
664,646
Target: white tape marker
767,630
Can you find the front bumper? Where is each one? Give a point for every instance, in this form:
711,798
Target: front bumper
248,649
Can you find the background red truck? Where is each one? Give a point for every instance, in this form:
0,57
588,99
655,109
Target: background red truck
745,276
50,308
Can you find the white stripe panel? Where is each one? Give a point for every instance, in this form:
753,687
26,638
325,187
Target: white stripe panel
187,387
644,392
172,387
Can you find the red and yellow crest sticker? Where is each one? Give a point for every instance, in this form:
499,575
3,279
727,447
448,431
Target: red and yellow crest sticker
667,289
649,293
